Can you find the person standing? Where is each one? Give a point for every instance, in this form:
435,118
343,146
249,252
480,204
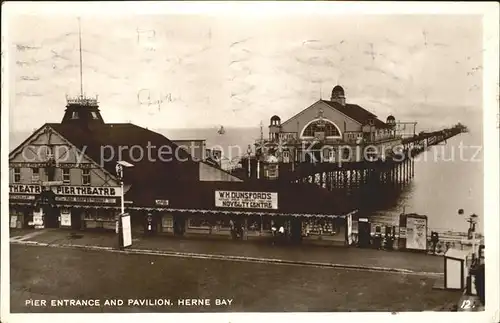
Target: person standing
273,232
242,231
282,233
233,229
149,224
434,241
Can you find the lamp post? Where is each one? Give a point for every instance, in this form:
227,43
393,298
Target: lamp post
258,168
471,234
249,152
119,172
472,228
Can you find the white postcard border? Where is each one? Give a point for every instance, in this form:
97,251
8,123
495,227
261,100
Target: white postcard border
490,128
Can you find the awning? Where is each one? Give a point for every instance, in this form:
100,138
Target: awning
202,211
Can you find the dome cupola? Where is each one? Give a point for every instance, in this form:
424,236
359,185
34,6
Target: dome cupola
338,95
391,121
275,121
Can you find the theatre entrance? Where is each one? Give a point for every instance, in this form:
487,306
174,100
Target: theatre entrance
179,223
76,219
364,233
51,216
295,229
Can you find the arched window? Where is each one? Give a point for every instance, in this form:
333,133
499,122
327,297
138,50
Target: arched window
327,127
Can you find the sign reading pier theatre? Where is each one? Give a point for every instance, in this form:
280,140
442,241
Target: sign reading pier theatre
246,200
67,190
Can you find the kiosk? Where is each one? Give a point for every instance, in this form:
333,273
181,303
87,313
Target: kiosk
455,269
413,232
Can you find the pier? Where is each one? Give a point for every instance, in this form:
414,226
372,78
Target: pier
356,179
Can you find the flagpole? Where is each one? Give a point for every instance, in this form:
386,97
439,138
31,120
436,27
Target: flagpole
81,59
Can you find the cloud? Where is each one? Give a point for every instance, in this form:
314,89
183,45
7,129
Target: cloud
213,66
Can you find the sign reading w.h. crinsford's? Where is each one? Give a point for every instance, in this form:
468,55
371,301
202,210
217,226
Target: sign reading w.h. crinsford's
246,200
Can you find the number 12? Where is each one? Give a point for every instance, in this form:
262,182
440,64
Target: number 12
466,304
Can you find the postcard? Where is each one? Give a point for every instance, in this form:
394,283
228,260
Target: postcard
236,161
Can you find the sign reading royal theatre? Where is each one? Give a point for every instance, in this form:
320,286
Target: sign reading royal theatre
246,200
66,190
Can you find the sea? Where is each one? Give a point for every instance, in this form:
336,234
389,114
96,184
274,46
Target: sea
448,177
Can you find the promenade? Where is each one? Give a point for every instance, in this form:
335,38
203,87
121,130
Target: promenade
49,265
348,257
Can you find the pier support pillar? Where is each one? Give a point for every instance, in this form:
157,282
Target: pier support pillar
404,164
408,162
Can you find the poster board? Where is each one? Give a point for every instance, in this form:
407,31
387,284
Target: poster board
65,218
38,218
402,232
13,221
126,230
349,229
416,232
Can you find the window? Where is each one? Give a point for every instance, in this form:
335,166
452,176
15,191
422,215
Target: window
74,115
271,172
327,127
17,175
90,214
167,221
254,223
35,177
224,223
319,226
94,115
346,154
85,177
199,222
331,155
48,151
286,156
328,154
65,176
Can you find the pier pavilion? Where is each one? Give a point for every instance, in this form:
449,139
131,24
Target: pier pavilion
328,131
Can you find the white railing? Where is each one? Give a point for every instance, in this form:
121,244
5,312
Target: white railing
82,100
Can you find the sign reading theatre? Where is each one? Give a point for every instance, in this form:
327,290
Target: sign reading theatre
246,200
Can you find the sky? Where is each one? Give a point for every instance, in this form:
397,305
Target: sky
237,71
